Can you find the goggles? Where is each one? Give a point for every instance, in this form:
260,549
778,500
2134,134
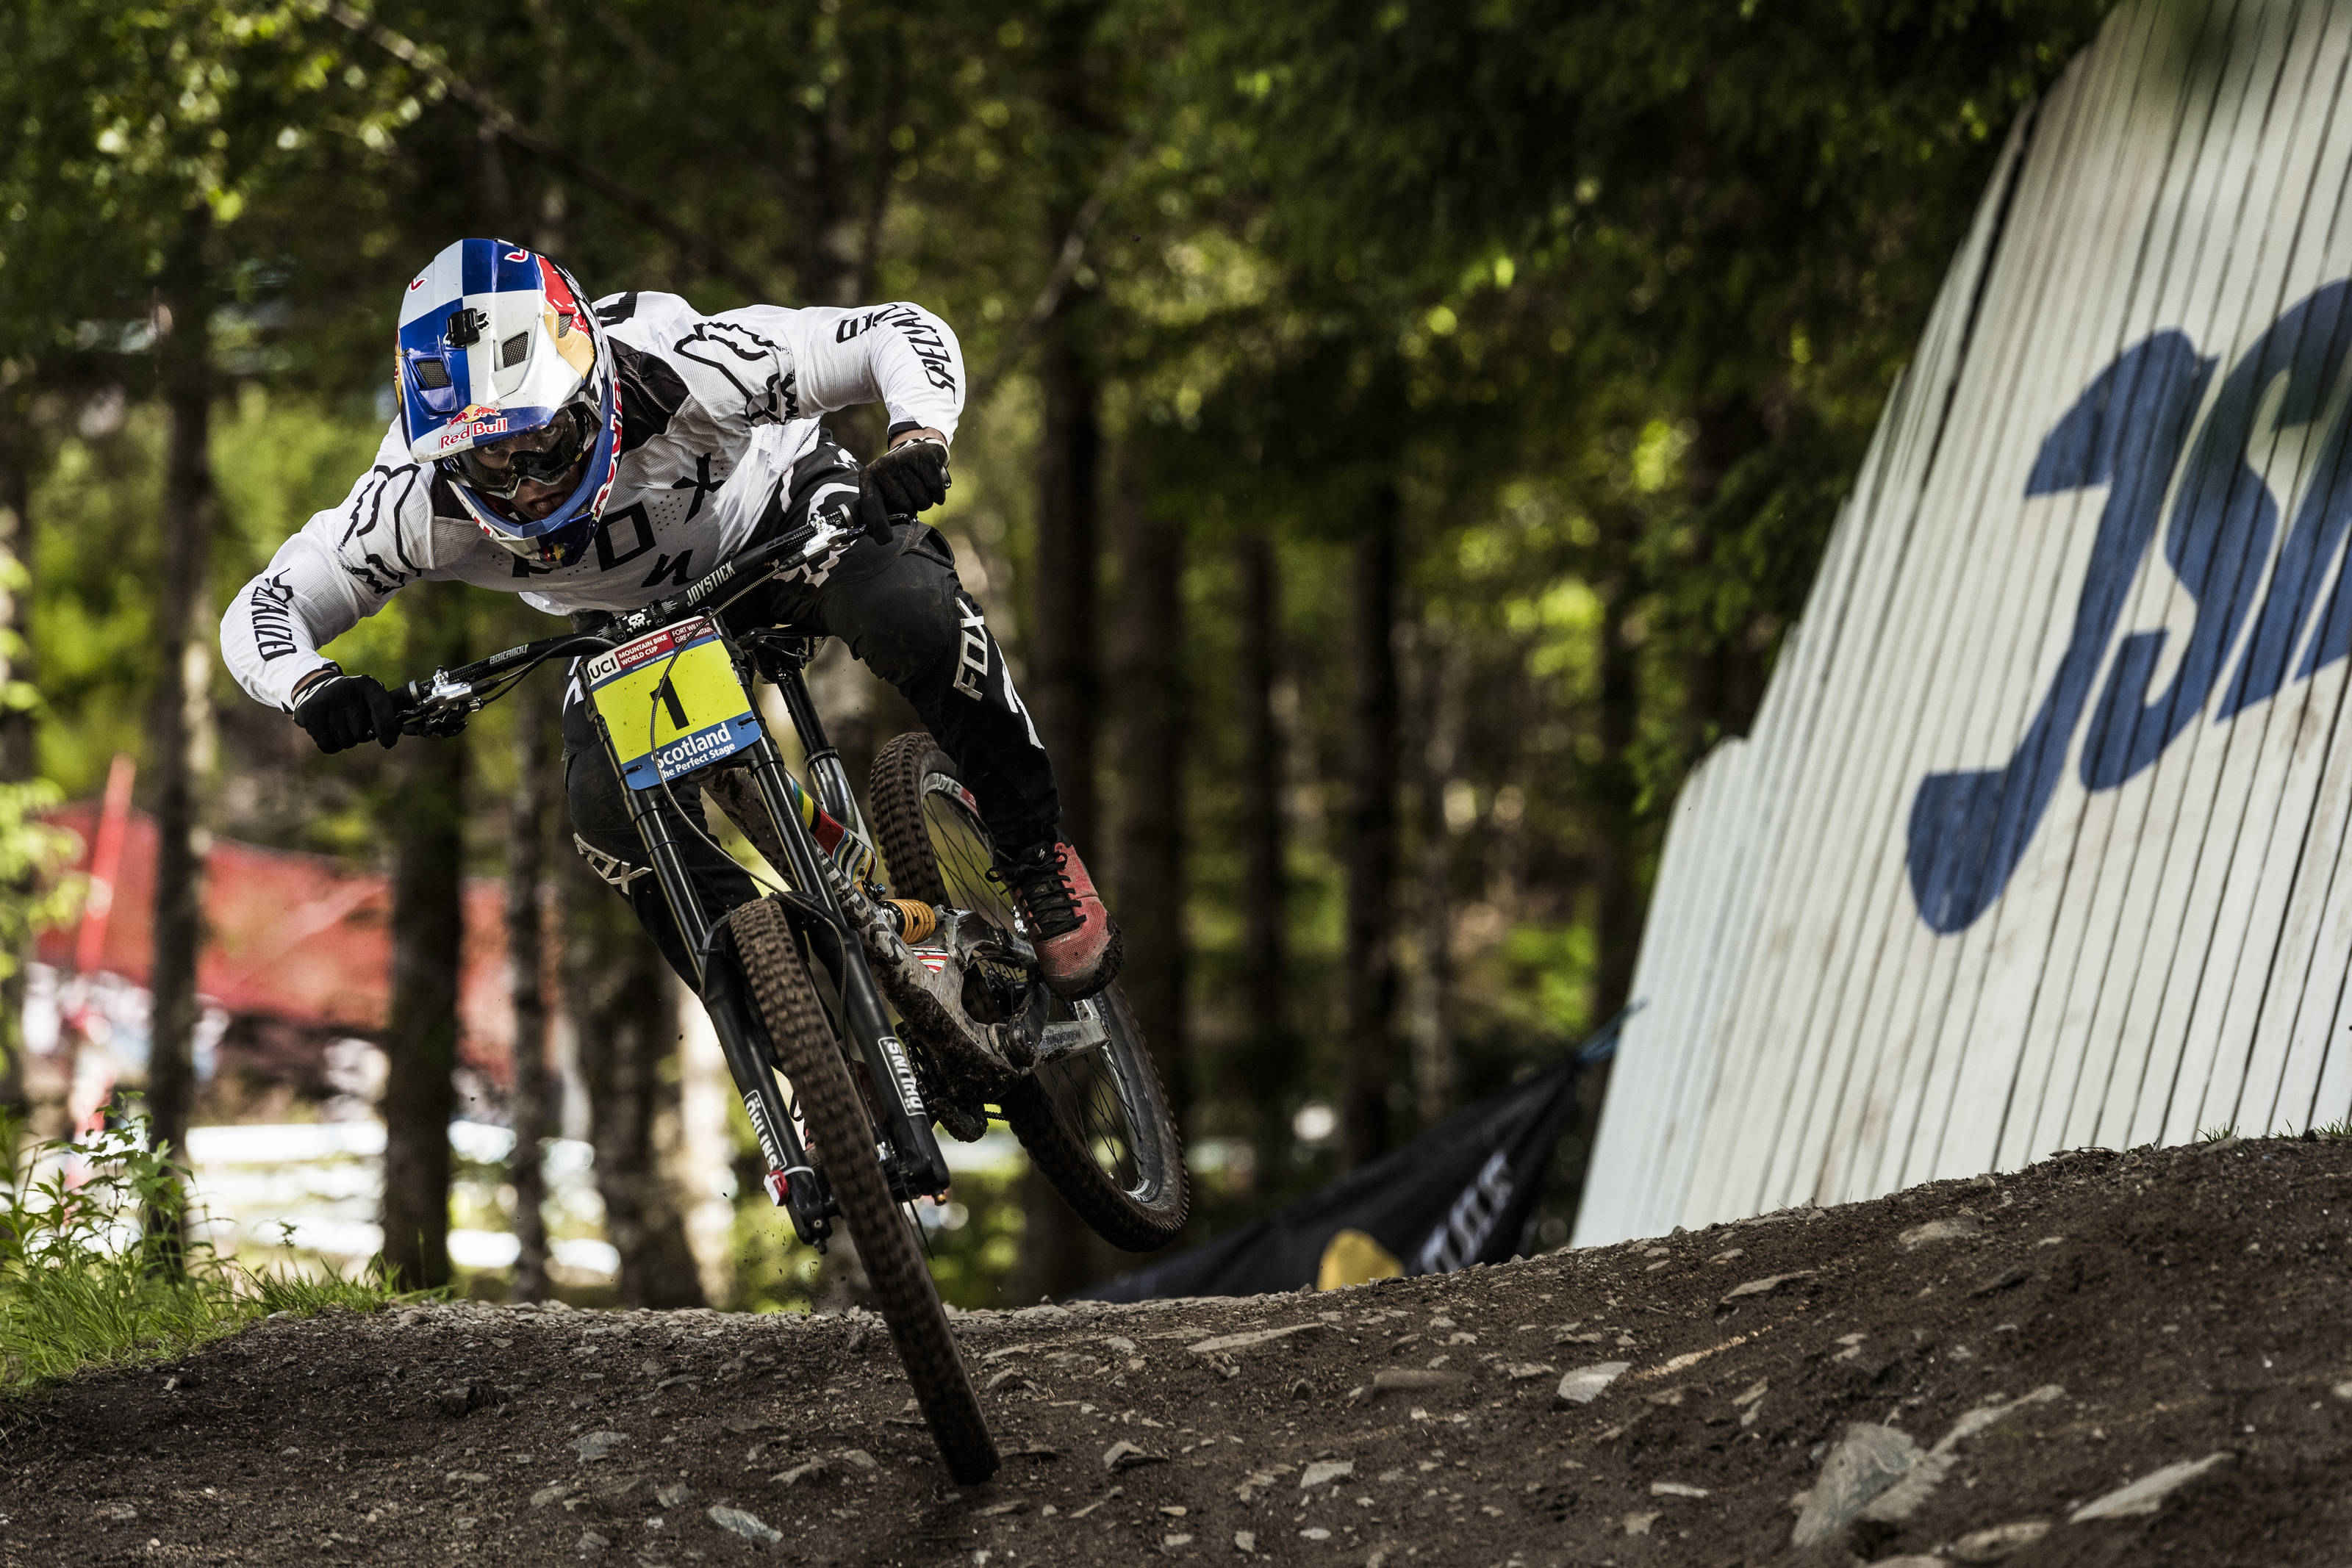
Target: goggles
541,456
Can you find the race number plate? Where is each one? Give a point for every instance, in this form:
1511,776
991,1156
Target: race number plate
671,702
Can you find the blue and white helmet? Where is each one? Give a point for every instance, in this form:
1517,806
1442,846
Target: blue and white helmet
506,382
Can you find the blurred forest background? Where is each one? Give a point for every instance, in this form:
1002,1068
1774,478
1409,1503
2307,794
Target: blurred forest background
1399,434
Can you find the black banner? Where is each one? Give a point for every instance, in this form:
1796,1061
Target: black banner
1459,1194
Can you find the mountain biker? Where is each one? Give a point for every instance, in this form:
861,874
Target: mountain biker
596,458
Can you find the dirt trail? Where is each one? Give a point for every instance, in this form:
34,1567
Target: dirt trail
1994,1356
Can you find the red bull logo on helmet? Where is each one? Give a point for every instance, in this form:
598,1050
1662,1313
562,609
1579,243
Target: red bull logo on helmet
474,422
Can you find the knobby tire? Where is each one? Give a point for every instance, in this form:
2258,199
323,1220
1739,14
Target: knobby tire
841,1138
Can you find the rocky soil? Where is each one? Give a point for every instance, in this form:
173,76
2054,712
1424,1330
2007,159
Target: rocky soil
2110,1358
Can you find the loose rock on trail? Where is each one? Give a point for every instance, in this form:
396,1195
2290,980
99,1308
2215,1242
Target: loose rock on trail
2109,1358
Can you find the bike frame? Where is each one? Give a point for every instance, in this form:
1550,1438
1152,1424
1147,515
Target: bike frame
910,1152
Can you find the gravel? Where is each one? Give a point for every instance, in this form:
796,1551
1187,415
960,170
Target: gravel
2142,1391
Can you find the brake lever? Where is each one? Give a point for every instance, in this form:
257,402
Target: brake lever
439,707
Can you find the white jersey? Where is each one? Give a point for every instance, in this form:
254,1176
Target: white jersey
715,410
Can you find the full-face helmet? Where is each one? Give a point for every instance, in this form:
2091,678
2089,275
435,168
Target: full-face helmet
507,387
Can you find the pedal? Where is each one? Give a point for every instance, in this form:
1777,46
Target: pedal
1017,1037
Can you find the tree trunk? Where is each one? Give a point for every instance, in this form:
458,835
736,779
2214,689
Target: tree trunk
427,932
538,781
1615,796
19,453
183,647
696,1142
1369,1035
1727,668
1440,719
881,177
1065,645
1151,721
625,1015
1272,1058
20,456
1066,654
1065,641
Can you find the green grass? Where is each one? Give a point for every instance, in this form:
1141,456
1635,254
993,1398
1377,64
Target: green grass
2337,1129
82,1285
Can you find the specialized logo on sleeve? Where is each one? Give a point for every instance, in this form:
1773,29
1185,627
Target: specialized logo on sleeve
920,332
273,617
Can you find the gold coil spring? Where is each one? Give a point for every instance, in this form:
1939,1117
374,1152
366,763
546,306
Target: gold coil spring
916,921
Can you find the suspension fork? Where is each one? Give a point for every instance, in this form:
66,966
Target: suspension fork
914,1155
790,1173
826,769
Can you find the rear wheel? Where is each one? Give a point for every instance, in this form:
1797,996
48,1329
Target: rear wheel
841,1141
1095,1120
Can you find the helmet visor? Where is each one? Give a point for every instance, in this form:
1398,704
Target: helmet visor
540,456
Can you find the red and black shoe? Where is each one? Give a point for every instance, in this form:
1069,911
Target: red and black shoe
1077,940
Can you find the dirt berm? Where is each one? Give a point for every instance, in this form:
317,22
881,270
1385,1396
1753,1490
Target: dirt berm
1969,1372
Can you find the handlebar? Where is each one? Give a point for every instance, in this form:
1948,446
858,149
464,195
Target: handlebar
441,704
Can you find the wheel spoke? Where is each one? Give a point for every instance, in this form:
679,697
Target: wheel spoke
1086,1090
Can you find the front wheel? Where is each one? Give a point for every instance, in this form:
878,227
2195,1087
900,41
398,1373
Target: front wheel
1095,1120
841,1138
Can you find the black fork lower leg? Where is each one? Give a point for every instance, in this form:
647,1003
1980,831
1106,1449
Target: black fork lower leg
747,1061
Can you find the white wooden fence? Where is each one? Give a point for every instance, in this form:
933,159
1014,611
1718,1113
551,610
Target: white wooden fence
2035,842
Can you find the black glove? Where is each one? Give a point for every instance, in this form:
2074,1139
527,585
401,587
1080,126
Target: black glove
910,478
344,710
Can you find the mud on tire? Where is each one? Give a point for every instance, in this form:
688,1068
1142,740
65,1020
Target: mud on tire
841,1137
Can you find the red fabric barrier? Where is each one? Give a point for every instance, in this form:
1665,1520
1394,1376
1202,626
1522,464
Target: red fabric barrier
298,936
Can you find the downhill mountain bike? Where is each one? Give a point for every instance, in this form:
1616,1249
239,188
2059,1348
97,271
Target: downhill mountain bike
871,1018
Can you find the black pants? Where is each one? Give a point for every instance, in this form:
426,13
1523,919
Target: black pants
900,609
